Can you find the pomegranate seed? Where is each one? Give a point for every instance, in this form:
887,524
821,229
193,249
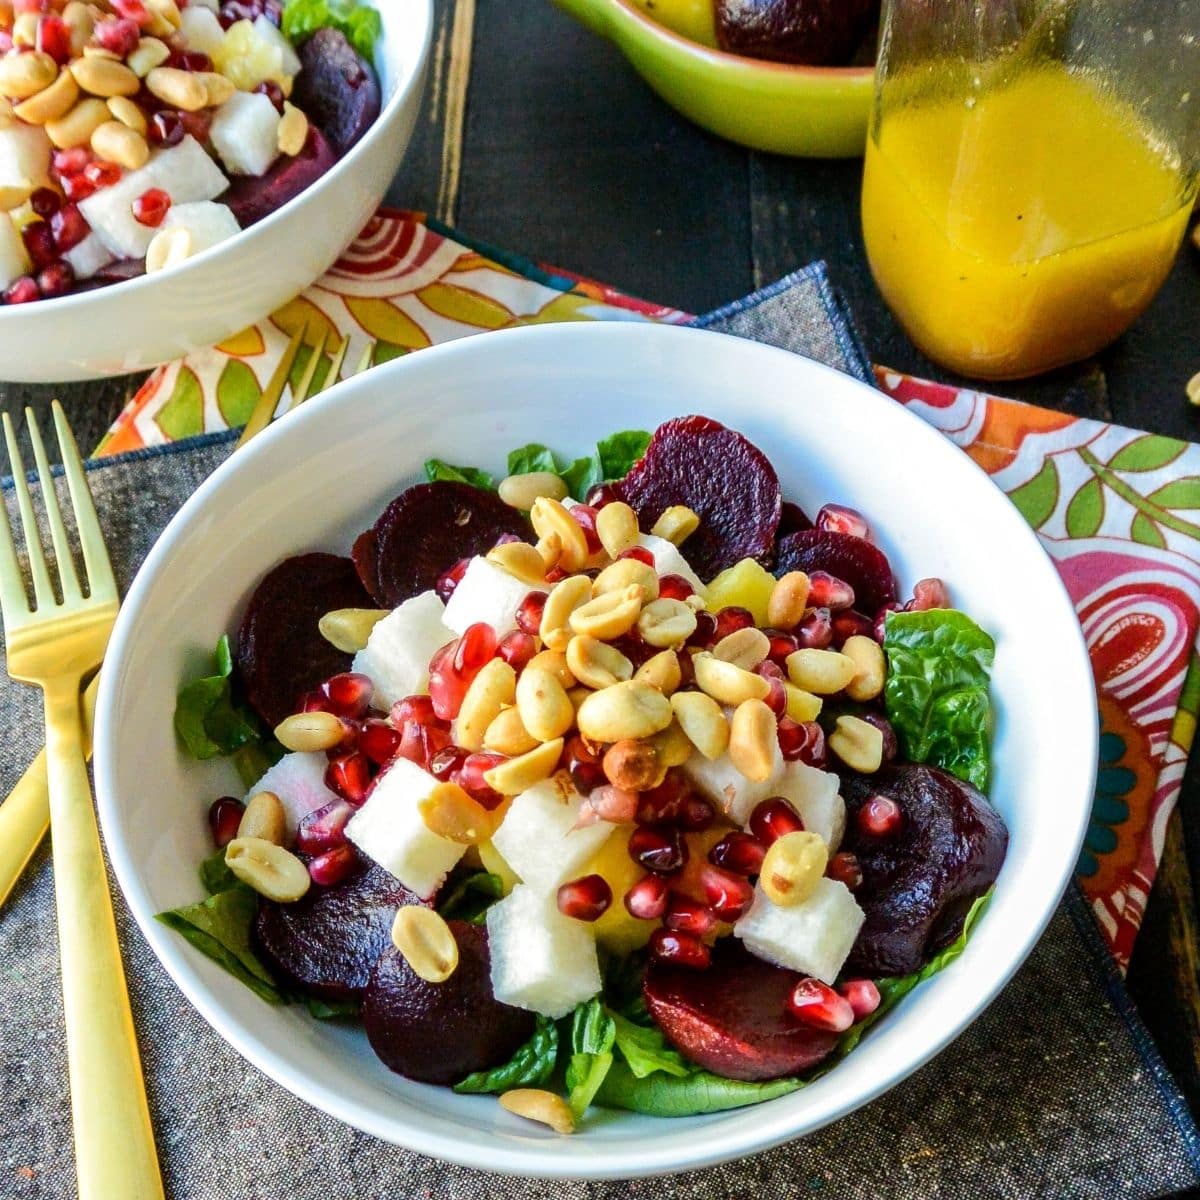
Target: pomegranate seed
22,291
413,708
647,899
6,42
828,591
687,667
782,644
333,866
728,895
817,1004
802,741
681,949
689,916
815,631
54,38
529,613
166,128
585,517
836,518
585,899
705,632
151,207
31,6
445,764
776,698
70,162
608,803
662,851
772,818
102,174
470,778
449,579
696,814
133,10
884,726
674,587
881,619
190,60
880,816
477,644
117,34
350,777
379,740
55,280
739,852
78,187
273,92
69,227
422,743
224,817
664,804
602,494
862,995
845,868
583,765
456,664
45,202
349,694
640,553
39,242
928,593
516,649
730,620
324,828
850,624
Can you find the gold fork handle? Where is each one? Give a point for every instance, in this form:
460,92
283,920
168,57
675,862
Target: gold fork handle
114,1142
25,815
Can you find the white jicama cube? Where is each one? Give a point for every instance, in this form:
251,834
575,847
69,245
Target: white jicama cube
538,838
90,256
390,830
669,561
489,594
207,222
270,34
813,937
24,158
299,782
724,786
14,262
245,133
185,172
541,960
396,656
200,30
814,794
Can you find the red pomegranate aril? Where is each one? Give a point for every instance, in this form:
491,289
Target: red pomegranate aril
191,60
39,242
844,867
647,899
585,518
30,6
378,740
166,128
862,995
68,227
607,803
705,633
739,852
837,518
828,591
583,765
687,667
850,624
685,915
696,814
324,828
224,817
54,38
529,613
102,174
890,745
350,777
679,949
6,42
77,187
802,741
273,92
333,866
22,291
477,644
928,593
815,631
674,587
662,851
449,579
470,778
728,895
817,1004
782,644
516,649
133,10
640,553
118,34
445,764
349,694
151,207
422,743
45,202
730,620
602,494
776,698
585,899
413,708
664,804
772,818
879,817
55,280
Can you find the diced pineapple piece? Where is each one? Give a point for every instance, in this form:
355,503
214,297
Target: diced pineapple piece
815,796
489,594
200,30
538,839
390,830
669,561
245,133
747,585
492,860
396,656
90,256
299,782
541,960
24,161
813,937
253,53
14,262
207,222
270,34
727,789
616,929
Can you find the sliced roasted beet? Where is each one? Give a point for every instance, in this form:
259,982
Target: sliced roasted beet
862,565
441,1032
327,942
722,477
366,562
253,197
733,1019
429,528
813,32
919,881
280,652
792,519
336,88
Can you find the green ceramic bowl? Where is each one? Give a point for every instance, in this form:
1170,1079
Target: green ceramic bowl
809,112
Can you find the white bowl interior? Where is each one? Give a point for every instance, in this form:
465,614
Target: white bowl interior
323,475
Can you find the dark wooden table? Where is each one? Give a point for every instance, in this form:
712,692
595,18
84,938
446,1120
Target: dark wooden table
536,136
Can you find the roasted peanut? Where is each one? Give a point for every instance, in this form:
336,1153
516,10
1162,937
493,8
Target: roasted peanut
292,135
666,623
702,719
662,671
608,616
597,664
128,113
565,597
858,744
168,248
520,491
103,77
77,127
452,813
264,818
426,941
801,705
627,572
349,629
617,528
270,870
788,600
24,75
81,24
117,143
164,17
308,732
672,746
871,670
218,89
24,29
493,689
554,661
543,704
51,102
676,524
625,710
793,866
507,734
517,775
521,561
550,548
150,53
726,683
632,765
822,672
744,648
179,89
550,517
546,1108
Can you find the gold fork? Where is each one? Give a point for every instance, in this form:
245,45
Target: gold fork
53,645
25,815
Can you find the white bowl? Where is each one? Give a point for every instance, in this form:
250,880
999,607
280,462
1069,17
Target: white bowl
138,324
324,473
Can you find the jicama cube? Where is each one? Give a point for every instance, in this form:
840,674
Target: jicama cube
538,838
669,561
24,161
541,960
489,594
812,937
14,262
269,33
396,656
724,786
207,222
815,797
299,782
390,830
200,30
90,256
245,133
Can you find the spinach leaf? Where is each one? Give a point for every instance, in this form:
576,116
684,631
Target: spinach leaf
645,1050
661,1095
531,1065
619,451
338,1010
936,692
361,25
437,471
534,457
583,475
209,720
593,1033
471,897
253,760
215,875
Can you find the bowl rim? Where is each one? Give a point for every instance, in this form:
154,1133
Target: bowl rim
710,1143
129,287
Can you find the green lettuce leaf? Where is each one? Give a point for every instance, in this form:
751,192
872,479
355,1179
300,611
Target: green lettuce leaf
253,760
593,1032
936,693
325,1010
209,720
361,25
215,875
645,1050
661,1095
531,1065
619,451
437,471
583,475
534,457
471,897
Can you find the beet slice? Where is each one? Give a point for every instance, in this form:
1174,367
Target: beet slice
722,477
919,882
441,1032
733,1019
336,88
328,941
427,529
366,562
853,559
811,32
280,652
253,197
792,519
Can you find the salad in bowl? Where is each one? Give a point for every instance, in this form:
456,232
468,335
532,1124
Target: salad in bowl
623,783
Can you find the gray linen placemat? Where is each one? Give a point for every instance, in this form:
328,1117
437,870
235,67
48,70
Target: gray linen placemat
1055,1091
